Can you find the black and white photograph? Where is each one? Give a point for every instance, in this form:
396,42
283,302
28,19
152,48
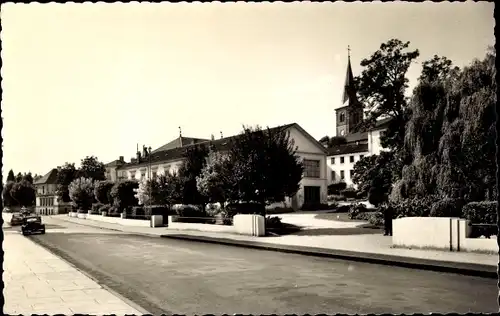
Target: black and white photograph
249,158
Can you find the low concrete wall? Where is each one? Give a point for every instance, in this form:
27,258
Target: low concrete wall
252,225
448,233
120,221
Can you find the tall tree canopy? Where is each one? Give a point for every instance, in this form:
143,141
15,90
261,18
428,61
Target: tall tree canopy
11,176
381,88
195,158
65,175
451,133
92,168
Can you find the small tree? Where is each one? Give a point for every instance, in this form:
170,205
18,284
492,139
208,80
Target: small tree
81,192
195,159
8,200
65,175
102,191
123,194
10,176
147,192
265,167
169,190
214,182
24,193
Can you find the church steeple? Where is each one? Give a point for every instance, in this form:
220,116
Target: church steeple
349,89
350,113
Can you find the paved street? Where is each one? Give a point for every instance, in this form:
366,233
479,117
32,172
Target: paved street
170,276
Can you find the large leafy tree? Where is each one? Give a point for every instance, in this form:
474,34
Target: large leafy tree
28,177
169,189
23,193
65,175
451,134
195,158
19,177
10,176
8,200
102,190
123,194
381,89
81,192
265,166
92,168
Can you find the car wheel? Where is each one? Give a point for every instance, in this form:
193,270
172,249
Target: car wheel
24,233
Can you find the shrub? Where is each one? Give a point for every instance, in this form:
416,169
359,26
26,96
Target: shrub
447,208
336,198
376,196
212,209
376,218
245,208
114,211
355,210
361,195
157,210
343,209
136,211
484,212
190,211
273,222
335,188
349,193
414,207
104,208
96,207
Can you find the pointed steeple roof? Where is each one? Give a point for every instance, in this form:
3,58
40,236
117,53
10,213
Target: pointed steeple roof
349,89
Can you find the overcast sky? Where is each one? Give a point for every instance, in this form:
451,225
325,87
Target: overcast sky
96,79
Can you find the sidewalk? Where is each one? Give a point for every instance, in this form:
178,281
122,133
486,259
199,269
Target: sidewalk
38,282
368,248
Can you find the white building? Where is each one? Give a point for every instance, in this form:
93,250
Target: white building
169,157
47,200
341,158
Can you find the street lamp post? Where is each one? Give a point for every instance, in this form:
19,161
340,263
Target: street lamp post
150,176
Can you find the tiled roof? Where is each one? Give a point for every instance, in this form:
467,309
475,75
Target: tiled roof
177,143
347,149
177,153
49,178
116,162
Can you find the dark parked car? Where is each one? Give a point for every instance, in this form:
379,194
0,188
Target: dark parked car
33,224
16,219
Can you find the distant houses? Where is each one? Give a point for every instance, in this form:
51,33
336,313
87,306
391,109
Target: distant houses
47,201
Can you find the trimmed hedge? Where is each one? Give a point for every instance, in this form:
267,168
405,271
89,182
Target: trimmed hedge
447,208
349,193
190,211
245,208
484,212
335,188
317,206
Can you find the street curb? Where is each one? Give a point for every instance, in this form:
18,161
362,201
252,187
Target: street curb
130,303
470,269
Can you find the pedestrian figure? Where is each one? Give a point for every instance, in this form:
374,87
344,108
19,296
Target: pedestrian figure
388,215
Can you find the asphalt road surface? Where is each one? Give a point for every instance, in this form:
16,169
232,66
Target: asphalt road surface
173,276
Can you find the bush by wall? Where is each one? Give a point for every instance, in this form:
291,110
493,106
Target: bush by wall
447,208
104,208
349,193
414,207
190,211
245,208
96,207
484,212
356,211
376,218
335,188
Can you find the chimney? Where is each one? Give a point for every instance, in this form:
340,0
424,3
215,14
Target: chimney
180,137
138,156
144,151
221,135
212,137
121,159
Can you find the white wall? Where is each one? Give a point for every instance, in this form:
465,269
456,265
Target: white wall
160,168
447,233
346,166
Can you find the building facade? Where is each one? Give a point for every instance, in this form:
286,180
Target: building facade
169,157
342,158
47,201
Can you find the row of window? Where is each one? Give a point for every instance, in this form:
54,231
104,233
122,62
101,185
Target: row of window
342,159
46,201
342,174
311,168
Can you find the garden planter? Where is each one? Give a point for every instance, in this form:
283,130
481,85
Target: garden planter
89,212
156,220
123,215
103,213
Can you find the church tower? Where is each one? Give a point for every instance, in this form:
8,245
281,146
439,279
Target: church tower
351,113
